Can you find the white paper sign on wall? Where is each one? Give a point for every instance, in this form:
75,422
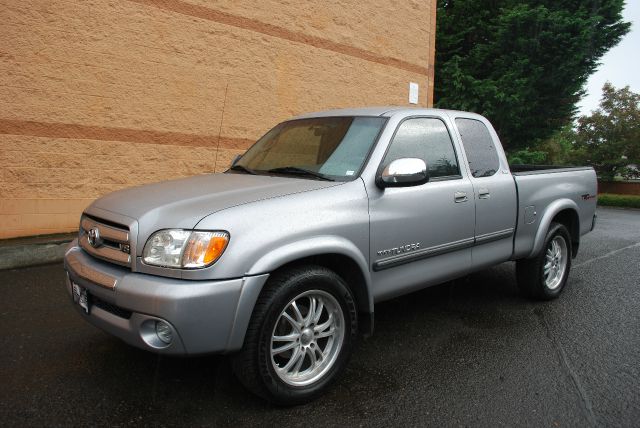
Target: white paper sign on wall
414,88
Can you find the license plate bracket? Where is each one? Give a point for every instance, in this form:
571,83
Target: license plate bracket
82,297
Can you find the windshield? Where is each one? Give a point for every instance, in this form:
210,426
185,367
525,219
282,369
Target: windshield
326,147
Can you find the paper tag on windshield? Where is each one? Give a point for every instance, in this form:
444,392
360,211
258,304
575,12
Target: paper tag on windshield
349,172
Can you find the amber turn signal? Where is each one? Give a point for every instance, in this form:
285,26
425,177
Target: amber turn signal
204,248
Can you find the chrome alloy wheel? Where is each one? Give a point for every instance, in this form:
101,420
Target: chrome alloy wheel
556,262
307,338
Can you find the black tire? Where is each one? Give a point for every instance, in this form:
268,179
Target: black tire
530,272
253,365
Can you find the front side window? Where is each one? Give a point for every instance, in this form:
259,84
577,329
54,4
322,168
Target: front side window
478,145
426,139
329,147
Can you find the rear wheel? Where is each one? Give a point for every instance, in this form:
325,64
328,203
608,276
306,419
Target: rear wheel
300,336
545,275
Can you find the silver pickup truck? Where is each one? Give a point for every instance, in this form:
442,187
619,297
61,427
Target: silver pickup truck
280,260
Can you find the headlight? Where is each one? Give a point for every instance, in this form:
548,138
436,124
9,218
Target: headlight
178,248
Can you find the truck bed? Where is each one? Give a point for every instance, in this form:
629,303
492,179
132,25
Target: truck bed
528,169
539,187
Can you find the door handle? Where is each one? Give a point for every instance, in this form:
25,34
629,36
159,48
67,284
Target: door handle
483,193
460,197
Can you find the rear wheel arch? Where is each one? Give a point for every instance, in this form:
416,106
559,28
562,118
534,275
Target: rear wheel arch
565,212
544,276
570,219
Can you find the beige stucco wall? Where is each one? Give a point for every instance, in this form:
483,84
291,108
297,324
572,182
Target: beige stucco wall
100,95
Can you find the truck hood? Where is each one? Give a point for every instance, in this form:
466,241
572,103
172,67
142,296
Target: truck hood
182,203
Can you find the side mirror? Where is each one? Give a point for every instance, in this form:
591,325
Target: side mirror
403,172
236,159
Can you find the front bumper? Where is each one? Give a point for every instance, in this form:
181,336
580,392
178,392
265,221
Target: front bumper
205,316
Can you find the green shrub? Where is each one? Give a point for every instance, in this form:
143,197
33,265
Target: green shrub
610,199
528,157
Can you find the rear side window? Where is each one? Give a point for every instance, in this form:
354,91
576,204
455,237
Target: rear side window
479,147
426,139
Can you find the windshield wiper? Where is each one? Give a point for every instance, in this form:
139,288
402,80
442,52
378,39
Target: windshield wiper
294,170
243,169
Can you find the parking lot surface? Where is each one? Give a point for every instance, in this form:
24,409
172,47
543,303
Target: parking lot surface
467,353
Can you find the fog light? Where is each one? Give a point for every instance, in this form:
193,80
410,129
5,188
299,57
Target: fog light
163,331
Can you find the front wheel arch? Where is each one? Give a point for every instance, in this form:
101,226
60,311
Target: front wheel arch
333,252
253,365
344,266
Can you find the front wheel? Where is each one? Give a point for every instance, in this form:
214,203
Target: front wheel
544,276
300,336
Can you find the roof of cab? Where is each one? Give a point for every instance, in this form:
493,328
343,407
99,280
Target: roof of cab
386,111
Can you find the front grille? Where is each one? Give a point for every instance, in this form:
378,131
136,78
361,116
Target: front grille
113,309
105,240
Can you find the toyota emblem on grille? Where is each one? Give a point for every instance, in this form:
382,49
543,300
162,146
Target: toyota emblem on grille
93,236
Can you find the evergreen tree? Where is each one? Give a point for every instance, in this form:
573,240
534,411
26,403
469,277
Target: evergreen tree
522,64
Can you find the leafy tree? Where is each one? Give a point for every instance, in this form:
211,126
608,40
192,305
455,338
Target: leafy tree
521,63
609,138
560,148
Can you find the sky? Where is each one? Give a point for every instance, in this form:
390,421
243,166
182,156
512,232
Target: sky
620,66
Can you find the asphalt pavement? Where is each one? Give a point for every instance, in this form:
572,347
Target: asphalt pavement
467,353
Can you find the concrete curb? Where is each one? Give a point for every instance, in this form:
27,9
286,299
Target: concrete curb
23,252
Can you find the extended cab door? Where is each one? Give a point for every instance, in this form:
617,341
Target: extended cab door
493,188
421,235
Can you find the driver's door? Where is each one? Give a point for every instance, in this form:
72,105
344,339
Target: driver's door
423,234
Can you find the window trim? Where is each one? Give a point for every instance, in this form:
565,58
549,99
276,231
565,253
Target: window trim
453,146
495,148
